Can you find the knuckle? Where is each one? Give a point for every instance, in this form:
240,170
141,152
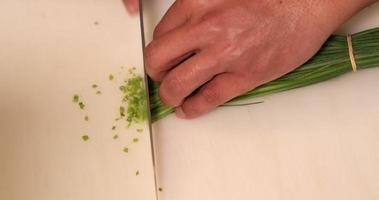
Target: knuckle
210,21
191,110
157,31
175,85
164,98
171,89
151,65
211,96
216,29
161,29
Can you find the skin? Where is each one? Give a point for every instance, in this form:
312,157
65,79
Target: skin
206,52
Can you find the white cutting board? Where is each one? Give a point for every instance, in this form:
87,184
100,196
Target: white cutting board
49,51
318,142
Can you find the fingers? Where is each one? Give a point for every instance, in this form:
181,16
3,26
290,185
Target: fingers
175,17
181,81
132,6
167,51
221,89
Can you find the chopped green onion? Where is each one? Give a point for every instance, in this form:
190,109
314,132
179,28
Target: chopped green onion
110,77
75,98
81,105
122,111
134,99
85,138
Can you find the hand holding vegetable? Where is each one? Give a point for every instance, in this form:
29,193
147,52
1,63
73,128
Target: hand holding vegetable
204,53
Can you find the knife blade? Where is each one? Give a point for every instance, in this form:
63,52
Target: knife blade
142,28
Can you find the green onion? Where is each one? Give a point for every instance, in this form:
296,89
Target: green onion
122,111
81,105
75,98
331,61
85,138
134,99
110,77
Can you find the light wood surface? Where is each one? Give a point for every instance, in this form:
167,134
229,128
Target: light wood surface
49,51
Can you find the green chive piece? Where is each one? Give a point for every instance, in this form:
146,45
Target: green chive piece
115,137
75,98
126,149
140,130
85,138
135,140
94,86
98,92
137,173
110,77
134,99
86,118
81,105
114,128
122,111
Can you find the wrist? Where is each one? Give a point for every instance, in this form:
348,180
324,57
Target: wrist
331,14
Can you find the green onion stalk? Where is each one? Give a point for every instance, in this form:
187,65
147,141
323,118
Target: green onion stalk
331,61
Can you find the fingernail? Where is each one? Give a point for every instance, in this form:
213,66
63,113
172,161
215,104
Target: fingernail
180,113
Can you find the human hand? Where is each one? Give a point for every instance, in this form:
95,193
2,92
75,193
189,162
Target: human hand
205,53
132,6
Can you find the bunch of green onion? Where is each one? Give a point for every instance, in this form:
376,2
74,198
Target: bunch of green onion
331,61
